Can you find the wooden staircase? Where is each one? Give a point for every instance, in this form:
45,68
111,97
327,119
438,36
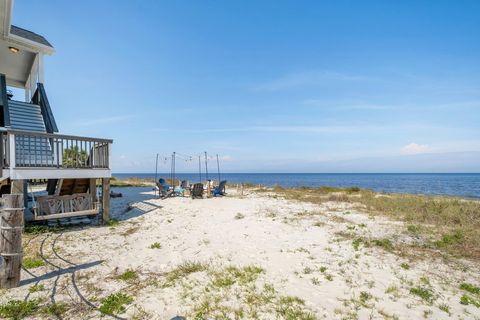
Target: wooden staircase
73,186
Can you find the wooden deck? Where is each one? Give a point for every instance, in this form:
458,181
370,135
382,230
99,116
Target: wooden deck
35,155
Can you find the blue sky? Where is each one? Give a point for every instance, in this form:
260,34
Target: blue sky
271,86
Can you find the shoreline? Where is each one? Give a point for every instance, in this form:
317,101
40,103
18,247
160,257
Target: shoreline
147,182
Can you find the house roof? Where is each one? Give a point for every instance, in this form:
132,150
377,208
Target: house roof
29,35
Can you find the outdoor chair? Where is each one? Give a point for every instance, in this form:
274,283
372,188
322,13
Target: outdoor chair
184,184
220,190
197,191
164,192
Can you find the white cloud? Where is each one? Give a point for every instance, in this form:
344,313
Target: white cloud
415,148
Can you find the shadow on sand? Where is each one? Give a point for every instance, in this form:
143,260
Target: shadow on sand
138,203
59,272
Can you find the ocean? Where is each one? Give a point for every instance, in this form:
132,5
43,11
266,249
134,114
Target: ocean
452,184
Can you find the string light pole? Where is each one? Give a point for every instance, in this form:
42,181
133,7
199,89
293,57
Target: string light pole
156,172
218,169
206,166
200,168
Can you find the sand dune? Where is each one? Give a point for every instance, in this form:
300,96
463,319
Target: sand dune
250,256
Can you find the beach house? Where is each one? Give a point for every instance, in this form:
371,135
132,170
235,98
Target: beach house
32,149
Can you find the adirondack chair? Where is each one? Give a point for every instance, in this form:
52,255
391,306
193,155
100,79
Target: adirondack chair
220,190
164,192
184,184
197,191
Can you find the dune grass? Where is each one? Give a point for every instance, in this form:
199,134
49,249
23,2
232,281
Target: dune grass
455,220
115,303
18,309
131,182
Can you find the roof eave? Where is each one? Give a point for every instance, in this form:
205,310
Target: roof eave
29,44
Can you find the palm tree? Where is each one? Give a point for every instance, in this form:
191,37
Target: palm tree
74,157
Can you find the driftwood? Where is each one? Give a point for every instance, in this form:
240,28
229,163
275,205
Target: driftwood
11,227
116,194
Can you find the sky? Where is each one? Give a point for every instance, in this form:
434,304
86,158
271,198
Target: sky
269,86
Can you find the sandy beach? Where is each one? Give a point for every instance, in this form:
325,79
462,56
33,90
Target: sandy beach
250,256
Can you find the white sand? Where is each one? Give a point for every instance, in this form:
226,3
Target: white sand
274,234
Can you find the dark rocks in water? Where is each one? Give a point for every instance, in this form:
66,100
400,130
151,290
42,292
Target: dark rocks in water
115,194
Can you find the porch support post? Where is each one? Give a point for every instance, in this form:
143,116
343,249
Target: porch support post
106,200
4,100
92,189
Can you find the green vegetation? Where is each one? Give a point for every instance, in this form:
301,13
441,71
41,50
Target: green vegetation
466,300
405,266
393,290
131,182
35,229
113,222
17,309
55,309
425,280
32,262
413,229
212,297
425,293
128,275
239,216
356,243
155,245
458,220
307,270
384,243
291,308
184,270
364,298
233,274
444,307
470,288
456,237
36,288
115,304
74,156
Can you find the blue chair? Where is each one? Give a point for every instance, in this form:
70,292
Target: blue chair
220,190
164,184
163,190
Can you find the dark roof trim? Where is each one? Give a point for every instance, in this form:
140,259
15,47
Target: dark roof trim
29,35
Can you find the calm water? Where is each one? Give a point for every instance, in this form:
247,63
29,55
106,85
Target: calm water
455,184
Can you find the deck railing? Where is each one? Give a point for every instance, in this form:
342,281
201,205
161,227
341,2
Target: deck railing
26,149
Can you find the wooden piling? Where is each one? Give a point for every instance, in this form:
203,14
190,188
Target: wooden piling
106,200
92,189
11,228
